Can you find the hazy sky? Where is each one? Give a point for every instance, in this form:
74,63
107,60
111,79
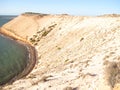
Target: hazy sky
74,7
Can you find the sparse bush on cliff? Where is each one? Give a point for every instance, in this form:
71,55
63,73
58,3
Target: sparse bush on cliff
45,33
42,33
32,40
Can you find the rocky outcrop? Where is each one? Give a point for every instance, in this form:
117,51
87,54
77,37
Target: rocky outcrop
75,52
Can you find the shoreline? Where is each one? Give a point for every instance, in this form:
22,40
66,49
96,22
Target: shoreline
32,54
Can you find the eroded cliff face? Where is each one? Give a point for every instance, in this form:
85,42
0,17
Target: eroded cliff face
74,52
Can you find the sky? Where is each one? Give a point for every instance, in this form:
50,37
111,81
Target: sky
73,7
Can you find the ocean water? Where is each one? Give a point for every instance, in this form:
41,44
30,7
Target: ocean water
13,55
13,58
6,18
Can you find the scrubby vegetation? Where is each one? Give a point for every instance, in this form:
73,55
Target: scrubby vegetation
41,33
33,13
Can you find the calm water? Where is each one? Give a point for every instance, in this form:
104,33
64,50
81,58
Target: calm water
5,18
13,58
13,55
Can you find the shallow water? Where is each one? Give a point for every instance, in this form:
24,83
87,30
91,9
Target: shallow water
13,58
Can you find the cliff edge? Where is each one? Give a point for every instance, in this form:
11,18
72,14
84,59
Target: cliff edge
74,52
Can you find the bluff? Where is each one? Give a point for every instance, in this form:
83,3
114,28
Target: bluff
74,52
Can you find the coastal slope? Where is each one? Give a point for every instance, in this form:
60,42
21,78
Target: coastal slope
74,52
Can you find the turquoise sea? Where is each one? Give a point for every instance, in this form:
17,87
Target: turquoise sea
13,55
13,58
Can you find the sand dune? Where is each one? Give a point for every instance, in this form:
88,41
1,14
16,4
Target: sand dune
74,52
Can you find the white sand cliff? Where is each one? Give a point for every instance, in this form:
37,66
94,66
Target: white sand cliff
74,52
